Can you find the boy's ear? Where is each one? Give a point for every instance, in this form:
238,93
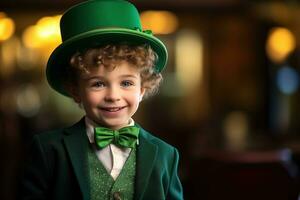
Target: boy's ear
143,90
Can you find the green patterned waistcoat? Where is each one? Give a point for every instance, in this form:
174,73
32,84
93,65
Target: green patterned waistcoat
104,187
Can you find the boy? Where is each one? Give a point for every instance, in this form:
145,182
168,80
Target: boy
107,64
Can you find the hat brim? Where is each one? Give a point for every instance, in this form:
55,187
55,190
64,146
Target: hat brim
60,57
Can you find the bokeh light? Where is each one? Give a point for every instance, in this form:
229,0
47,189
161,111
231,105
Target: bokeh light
160,22
280,43
28,100
7,27
236,128
189,59
287,80
45,33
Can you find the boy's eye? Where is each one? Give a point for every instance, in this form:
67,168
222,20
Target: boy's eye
98,84
127,83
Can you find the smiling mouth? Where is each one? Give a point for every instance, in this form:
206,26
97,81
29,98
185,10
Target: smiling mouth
113,109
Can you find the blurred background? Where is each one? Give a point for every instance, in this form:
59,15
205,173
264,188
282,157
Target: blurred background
229,100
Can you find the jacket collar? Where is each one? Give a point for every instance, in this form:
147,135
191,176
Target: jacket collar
146,157
76,142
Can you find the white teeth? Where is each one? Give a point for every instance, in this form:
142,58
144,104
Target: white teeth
112,109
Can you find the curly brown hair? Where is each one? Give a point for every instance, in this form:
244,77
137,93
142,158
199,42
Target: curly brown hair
142,57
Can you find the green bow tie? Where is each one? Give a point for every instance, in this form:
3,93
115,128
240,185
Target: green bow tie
124,137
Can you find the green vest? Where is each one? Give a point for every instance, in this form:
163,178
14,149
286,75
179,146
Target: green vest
104,187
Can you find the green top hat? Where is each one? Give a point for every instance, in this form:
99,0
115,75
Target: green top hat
95,23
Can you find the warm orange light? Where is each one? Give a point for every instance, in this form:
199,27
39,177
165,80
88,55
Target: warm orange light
280,43
2,15
43,37
44,33
30,38
48,28
160,22
7,27
189,72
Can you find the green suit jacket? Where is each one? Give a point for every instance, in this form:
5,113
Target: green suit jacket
57,167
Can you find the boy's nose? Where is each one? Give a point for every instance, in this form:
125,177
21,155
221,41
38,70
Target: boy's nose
113,94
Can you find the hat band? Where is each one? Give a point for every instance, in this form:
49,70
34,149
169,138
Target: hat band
149,32
138,29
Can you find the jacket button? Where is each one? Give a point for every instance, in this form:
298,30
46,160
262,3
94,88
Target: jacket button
117,196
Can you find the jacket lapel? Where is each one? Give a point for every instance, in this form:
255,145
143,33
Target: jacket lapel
146,156
76,142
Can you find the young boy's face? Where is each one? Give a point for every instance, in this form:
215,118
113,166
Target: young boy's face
110,97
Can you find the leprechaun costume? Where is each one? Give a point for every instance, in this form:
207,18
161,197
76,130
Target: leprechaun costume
61,163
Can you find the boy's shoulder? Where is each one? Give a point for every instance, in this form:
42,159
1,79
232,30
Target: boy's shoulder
155,140
50,136
59,133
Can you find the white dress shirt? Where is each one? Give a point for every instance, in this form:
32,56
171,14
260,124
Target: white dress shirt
112,157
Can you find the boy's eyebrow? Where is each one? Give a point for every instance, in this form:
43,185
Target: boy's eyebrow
103,77
128,76
89,78
92,77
